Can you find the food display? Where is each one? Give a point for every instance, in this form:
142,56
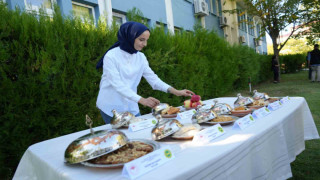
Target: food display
202,116
186,132
257,104
257,95
241,111
134,149
106,148
127,153
170,112
242,101
223,120
120,119
165,128
194,102
94,145
159,108
221,108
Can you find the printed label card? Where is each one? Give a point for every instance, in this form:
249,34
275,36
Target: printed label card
149,162
137,126
275,105
209,134
262,112
244,122
186,116
285,100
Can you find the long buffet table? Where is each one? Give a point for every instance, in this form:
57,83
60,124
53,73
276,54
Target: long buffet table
261,151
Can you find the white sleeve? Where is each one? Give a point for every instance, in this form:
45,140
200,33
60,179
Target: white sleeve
109,66
155,82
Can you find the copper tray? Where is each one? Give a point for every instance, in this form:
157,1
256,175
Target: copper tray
154,144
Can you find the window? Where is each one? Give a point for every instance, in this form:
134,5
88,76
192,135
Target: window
118,18
250,26
82,11
242,20
214,7
258,30
36,5
177,30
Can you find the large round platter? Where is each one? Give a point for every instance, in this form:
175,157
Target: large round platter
154,145
223,123
273,99
182,138
169,115
241,113
254,107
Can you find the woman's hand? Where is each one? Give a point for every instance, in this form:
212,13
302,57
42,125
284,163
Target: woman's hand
150,102
184,92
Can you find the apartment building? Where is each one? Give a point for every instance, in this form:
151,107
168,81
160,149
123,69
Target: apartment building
175,15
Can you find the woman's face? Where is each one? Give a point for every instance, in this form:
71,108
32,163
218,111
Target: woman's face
141,41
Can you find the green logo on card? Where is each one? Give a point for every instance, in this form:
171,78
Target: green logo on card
267,110
251,118
220,129
167,153
154,121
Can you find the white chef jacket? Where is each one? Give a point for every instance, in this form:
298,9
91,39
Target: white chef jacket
122,73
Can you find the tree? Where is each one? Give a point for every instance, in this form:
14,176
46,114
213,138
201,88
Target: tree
276,16
293,46
312,31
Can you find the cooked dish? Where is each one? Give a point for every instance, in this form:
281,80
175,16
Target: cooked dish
170,110
222,119
240,108
259,102
188,130
127,153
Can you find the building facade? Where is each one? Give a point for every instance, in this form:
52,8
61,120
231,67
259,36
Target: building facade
175,15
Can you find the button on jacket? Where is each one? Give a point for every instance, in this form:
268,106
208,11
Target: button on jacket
122,73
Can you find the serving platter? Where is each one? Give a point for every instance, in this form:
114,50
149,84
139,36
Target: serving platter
254,107
223,123
169,115
241,113
182,137
154,145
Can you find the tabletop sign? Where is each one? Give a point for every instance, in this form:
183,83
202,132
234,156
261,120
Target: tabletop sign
186,116
285,100
209,134
244,122
275,105
262,112
137,126
144,164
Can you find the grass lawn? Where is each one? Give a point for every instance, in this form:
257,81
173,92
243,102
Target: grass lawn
307,164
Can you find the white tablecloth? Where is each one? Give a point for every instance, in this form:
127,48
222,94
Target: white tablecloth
261,151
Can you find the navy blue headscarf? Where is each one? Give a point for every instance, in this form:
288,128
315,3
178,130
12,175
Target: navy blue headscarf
127,33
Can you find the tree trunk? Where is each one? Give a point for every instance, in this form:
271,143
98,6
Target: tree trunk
276,52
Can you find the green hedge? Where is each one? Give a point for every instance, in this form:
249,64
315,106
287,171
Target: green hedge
292,63
48,80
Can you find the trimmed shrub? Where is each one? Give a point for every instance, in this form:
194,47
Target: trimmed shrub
292,63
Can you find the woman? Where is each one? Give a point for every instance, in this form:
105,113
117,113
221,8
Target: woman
275,69
123,67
